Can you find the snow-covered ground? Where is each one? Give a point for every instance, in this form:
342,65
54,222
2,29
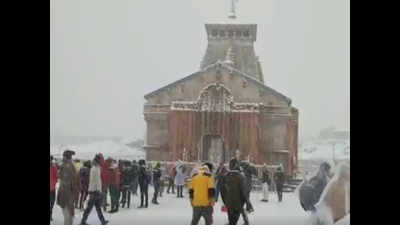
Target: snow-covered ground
178,211
109,148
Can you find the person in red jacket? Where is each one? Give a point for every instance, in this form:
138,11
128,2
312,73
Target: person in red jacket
114,186
53,182
105,180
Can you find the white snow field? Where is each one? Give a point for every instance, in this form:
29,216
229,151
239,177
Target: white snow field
177,211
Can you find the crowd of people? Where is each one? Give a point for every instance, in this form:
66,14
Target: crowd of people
88,184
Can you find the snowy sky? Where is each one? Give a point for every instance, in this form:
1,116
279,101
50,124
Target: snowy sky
106,55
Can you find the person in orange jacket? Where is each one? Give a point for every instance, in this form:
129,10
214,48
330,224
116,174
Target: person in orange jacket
53,182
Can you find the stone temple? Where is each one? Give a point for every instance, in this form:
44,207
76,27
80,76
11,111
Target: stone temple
222,108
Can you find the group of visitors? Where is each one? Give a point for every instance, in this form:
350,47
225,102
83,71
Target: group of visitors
91,182
98,179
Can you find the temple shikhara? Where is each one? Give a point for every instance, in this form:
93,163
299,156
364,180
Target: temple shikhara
223,108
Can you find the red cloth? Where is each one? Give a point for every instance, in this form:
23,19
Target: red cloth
115,178
53,177
105,174
224,209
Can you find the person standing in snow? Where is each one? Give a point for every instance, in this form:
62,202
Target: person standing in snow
95,192
144,181
279,181
180,178
221,171
126,184
171,177
68,187
77,165
114,186
156,182
84,176
266,181
201,194
104,180
53,182
234,192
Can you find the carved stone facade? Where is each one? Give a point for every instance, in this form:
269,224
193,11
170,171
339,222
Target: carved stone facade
210,114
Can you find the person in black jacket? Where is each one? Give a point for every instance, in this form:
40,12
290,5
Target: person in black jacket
84,175
143,184
234,192
156,182
279,180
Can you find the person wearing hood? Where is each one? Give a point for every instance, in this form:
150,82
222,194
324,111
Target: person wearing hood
201,194
114,186
95,192
310,190
156,182
68,187
144,181
84,176
180,178
234,192
279,181
53,182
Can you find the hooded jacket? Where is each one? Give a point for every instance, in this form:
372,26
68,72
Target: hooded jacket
201,189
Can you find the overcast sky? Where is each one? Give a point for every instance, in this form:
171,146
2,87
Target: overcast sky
106,55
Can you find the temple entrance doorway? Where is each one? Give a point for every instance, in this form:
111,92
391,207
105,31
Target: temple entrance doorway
213,148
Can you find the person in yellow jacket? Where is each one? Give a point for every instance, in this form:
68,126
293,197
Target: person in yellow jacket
201,193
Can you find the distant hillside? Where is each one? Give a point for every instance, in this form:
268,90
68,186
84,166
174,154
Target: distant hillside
78,140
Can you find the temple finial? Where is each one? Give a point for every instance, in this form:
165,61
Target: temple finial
232,13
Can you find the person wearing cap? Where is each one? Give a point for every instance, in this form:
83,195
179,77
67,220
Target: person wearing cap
53,182
95,192
68,187
279,181
201,194
156,182
234,192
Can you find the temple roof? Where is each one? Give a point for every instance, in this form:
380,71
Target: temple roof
216,65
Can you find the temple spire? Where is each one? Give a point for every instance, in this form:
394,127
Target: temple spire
232,13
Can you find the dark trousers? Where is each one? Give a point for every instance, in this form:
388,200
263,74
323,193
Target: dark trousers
156,191
179,190
82,199
245,218
114,193
279,190
144,194
205,212
126,197
104,197
52,200
217,190
95,200
171,185
233,216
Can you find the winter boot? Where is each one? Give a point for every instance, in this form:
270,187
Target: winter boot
84,223
104,222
